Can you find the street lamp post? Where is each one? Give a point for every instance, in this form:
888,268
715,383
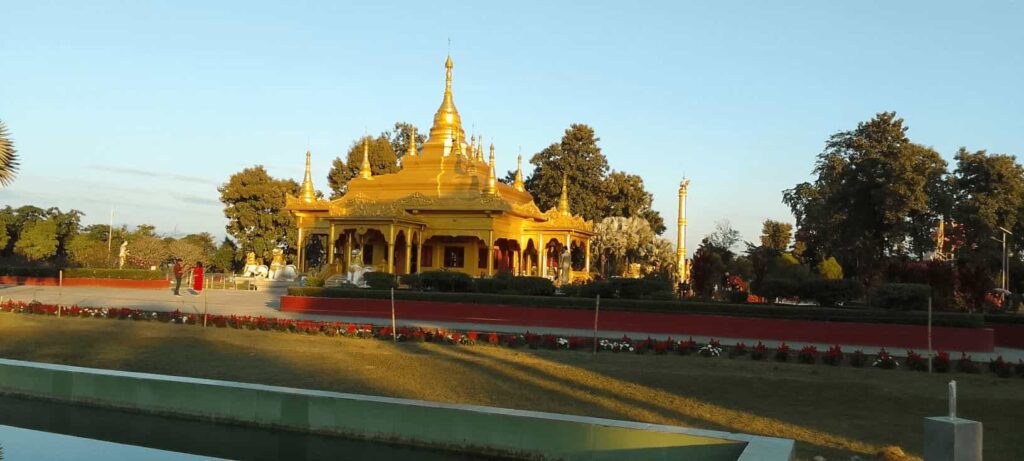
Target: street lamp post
1005,282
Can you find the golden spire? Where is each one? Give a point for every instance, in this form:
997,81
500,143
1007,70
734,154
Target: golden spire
412,142
472,153
518,183
308,194
563,201
446,120
480,149
492,186
364,170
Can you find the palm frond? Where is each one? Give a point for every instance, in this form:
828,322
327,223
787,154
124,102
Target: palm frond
8,157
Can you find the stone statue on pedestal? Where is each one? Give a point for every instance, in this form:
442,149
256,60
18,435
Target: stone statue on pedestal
122,255
356,269
564,267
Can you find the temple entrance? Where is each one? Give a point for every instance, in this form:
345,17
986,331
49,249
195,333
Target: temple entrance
506,255
529,265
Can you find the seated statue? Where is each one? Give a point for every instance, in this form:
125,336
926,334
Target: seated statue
356,269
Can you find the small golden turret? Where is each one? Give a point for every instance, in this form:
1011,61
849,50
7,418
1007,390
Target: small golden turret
492,186
412,143
471,147
518,183
480,149
364,169
563,201
308,193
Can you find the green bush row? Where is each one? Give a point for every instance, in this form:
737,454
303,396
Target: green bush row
950,319
119,274
28,271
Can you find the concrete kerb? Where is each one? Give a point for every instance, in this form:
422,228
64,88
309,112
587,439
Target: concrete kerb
485,429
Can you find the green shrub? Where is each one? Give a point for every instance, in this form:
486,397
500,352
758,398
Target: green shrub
119,274
28,271
832,292
379,280
901,296
413,281
668,296
772,288
604,288
446,281
572,289
491,285
738,297
530,286
314,281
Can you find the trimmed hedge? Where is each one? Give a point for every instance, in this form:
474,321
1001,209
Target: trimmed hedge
118,274
949,319
831,292
380,280
28,271
901,296
446,281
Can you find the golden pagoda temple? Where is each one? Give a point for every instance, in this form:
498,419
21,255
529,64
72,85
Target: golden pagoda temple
443,210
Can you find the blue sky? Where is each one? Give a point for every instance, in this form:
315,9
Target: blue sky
147,107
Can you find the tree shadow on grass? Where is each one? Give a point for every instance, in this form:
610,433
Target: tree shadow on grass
609,396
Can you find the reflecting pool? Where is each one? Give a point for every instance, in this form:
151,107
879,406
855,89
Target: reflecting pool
33,429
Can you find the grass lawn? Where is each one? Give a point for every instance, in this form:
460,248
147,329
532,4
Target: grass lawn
834,412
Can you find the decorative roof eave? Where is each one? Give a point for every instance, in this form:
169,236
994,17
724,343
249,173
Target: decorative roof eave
293,203
556,220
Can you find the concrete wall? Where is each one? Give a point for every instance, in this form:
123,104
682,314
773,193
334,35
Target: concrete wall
483,429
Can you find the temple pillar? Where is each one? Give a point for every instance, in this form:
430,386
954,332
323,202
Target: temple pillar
300,263
391,249
490,253
348,252
542,256
586,257
408,251
330,246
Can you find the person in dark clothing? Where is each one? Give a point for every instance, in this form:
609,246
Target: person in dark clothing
179,272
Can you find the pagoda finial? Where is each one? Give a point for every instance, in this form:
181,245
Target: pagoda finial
563,201
308,193
364,170
492,186
412,142
518,183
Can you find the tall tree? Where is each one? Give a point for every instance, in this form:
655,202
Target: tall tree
873,187
724,236
399,137
382,160
8,157
988,194
578,158
776,235
254,205
226,258
708,267
626,196
38,240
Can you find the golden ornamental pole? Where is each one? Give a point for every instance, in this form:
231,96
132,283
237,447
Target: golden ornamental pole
681,269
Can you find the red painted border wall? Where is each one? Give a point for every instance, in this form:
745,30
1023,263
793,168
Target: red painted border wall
83,282
865,334
1009,335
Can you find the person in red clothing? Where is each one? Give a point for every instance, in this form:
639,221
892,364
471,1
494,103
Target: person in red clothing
179,272
197,277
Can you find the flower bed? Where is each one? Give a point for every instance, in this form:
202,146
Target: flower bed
625,344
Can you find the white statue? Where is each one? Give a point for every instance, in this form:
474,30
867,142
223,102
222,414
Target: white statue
122,255
356,269
564,267
286,273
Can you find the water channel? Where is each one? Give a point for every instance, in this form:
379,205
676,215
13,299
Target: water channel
42,430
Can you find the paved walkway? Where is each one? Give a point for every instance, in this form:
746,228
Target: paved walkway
267,303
